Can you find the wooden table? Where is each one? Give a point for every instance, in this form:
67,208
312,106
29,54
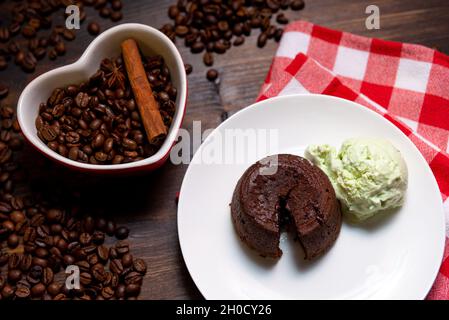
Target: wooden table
146,204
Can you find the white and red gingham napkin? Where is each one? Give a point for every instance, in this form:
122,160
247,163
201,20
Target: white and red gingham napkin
408,84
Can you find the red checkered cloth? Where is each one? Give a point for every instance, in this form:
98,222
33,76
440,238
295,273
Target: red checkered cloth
408,84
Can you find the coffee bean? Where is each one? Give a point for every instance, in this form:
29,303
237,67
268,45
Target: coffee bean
262,40
52,54
68,260
122,247
60,48
208,59
22,292
134,278
7,291
4,90
50,235
40,262
100,223
73,153
4,34
101,156
101,125
212,75
98,237
173,11
282,19
99,273
197,47
13,241
26,262
271,31
47,276
85,239
188,68
116,266
85,278
116,5
107,293
103,252
116,16
92,259
220,47
14,275
181,31
140,266
38,290
132,290
83,265
41,253
127,260
129,144
120,292
29,235
3,259
28,31
17,216
68,34
3,63
212,29
60,296
54,289
98,4
49,133
14,261
93,28
54,215
105,12
297,5
110,228
122,233
42,231
239,41
82,100
89,250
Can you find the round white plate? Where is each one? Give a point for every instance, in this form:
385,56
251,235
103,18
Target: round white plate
393,257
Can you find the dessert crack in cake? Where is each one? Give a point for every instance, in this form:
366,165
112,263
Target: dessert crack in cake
298,194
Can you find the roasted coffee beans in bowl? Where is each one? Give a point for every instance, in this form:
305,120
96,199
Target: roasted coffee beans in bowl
117,109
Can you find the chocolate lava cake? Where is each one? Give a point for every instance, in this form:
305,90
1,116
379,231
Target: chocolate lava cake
298,193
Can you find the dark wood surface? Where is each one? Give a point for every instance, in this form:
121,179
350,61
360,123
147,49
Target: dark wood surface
147,203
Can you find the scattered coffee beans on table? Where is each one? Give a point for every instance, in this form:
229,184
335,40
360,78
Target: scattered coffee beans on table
39,239
98,122
209,27
35,22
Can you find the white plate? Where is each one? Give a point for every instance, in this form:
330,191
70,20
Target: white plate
395,257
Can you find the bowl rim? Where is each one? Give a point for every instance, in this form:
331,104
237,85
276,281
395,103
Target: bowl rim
171,136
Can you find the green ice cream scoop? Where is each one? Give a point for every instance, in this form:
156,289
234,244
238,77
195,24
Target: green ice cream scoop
369,175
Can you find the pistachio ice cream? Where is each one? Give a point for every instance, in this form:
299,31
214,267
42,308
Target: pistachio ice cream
369,175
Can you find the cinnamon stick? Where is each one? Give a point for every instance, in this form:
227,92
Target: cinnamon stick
146,103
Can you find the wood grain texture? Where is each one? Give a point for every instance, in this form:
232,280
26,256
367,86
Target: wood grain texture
152,215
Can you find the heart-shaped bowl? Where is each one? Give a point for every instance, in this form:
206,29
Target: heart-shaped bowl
107,45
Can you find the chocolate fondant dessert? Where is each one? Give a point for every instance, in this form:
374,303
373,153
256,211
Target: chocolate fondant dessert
298,192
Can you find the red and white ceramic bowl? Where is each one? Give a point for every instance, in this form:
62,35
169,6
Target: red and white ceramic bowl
151,42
